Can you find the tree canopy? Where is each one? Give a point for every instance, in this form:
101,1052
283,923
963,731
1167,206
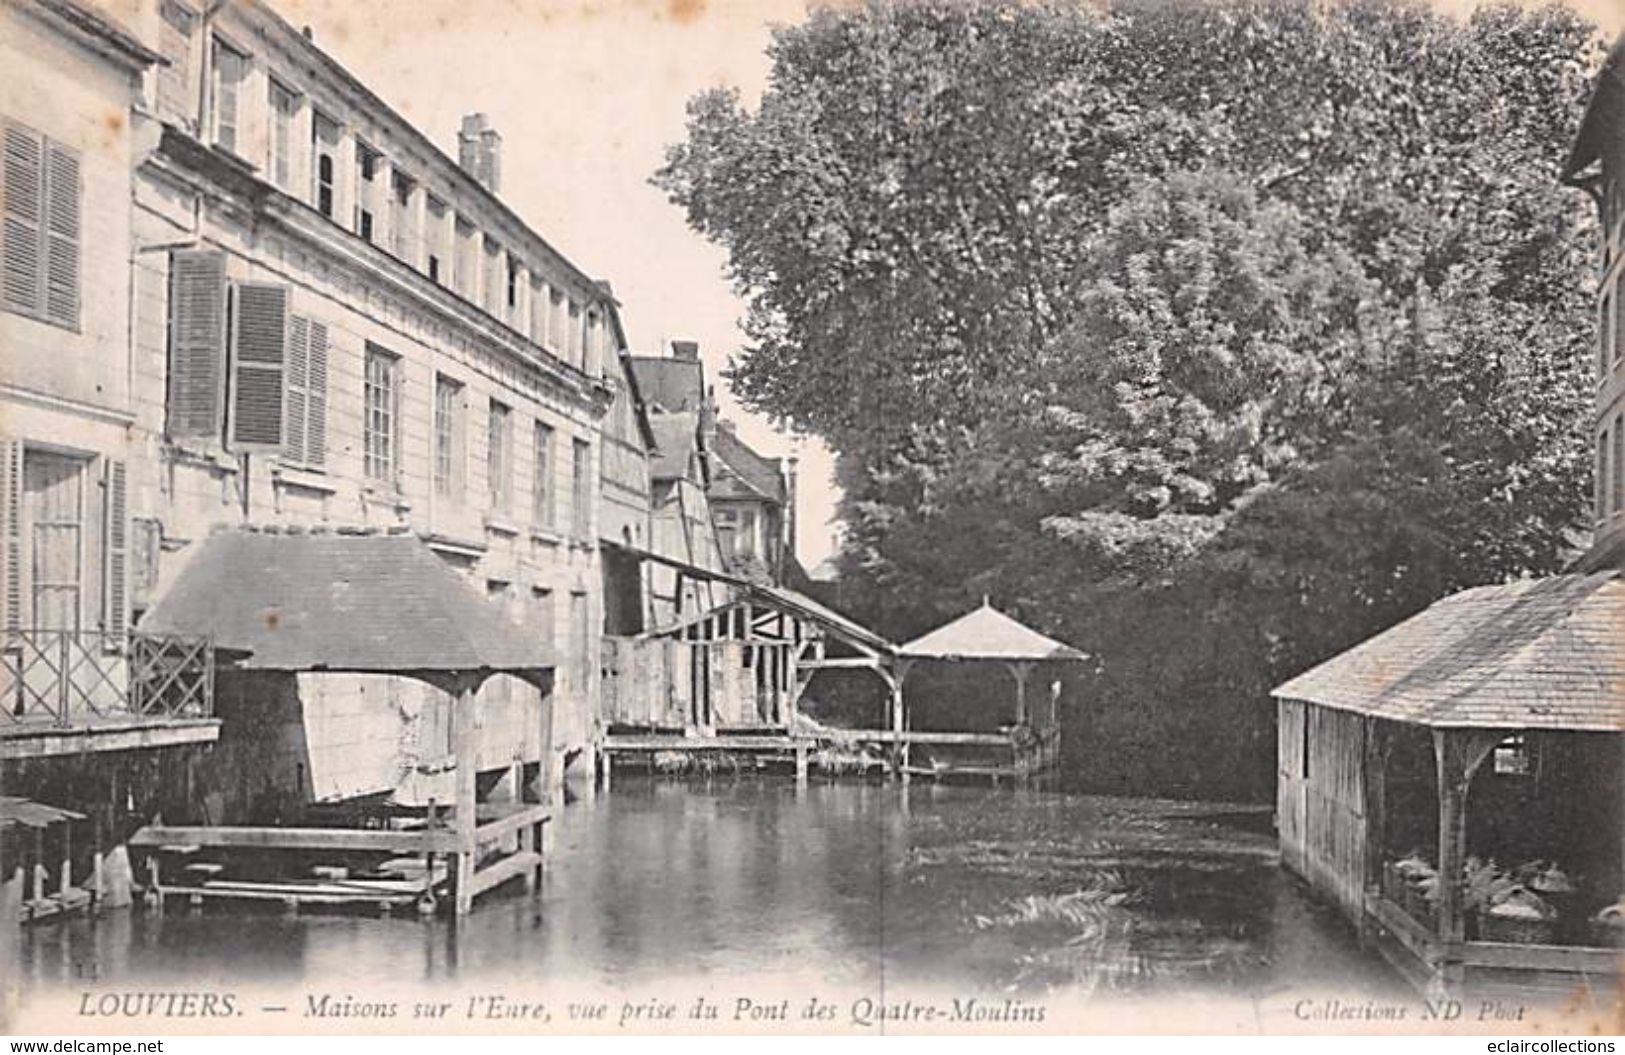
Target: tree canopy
1250,325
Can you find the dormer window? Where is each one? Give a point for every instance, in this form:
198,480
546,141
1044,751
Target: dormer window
324,136
230,70
367,163
284,110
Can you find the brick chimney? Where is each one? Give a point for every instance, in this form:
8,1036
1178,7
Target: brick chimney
687,351
479,151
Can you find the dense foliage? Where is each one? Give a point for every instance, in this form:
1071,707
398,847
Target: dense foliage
1210,338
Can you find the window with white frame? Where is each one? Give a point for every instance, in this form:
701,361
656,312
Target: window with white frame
230,68
284,106
499,455
448,437
65,523
41,199
381,392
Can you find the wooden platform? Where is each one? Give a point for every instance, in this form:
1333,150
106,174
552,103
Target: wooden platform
1025,757
426,857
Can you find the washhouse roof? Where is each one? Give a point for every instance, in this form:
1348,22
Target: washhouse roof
987,633
1542,654
362,603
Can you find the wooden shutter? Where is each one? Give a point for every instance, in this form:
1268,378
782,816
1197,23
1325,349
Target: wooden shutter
115,549
197,343
298,386
11,534
259,363
316,398
62,194
21,241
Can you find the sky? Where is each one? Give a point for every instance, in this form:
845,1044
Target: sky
587,95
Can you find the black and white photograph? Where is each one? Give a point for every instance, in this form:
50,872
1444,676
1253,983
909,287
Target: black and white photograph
812,517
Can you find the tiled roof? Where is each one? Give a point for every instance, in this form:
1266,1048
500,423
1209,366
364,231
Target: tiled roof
1607,554
669,385
676,437
988,633
360,603
1542,654
760,476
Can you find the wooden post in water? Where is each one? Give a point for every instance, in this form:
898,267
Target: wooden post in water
464,739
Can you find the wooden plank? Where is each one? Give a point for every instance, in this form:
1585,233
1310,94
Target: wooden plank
634,743
501,871
844,663
1569,959
396,842
496,827
308,898
1409,933
18,743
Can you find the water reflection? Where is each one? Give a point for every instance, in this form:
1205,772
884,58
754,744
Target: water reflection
852,884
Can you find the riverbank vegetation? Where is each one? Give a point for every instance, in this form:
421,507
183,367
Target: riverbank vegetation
1209,338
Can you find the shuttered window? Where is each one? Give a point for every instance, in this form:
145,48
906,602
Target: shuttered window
11,535
39,245
260,355
197,344
116,547
305,442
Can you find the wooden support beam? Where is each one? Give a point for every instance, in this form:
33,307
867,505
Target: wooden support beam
465,741
1021,669
500,872
846,662
1457,755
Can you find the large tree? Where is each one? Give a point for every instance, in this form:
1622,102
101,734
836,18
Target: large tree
1271,307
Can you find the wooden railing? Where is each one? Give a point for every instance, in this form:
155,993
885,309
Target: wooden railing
66,677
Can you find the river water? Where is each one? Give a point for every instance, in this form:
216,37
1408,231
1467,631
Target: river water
844,887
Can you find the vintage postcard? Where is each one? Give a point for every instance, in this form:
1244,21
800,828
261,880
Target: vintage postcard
1008,517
